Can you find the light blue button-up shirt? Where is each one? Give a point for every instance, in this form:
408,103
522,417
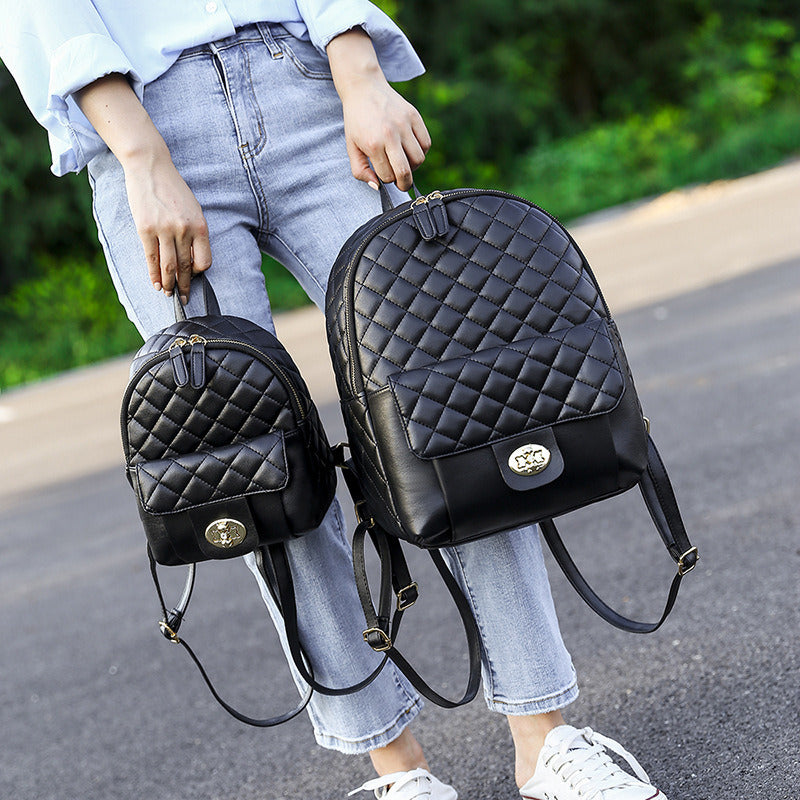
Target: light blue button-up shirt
55,47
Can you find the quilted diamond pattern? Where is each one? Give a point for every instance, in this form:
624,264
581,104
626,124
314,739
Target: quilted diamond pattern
492,329
507,271
189,446
172,484
241,399
469,401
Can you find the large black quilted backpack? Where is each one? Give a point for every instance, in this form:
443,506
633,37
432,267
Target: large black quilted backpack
483,382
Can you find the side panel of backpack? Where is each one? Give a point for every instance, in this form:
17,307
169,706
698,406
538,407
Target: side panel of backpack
355,412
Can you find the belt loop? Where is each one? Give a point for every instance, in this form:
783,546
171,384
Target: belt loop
269,40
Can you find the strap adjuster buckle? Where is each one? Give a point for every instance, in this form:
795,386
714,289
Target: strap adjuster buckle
404,602
339,459
377,639
692,556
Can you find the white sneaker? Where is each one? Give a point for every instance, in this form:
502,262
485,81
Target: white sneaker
418,784
574,765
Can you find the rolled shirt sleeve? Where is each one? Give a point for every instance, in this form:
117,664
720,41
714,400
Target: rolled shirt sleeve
326,19
75,64
54,49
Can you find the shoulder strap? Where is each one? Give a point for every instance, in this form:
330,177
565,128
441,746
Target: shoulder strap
274,567
170,623
383,627
660,500
380,635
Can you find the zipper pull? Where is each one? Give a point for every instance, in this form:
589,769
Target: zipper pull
179,370
438,213
422,218
197,360
430,215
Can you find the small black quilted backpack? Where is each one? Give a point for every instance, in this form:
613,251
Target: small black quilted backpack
483,385
226,454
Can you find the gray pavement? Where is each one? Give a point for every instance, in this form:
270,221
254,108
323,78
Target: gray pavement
706,289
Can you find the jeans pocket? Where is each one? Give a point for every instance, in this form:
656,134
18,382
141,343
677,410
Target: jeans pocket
308,60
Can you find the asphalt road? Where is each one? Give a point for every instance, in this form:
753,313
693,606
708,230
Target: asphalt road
96,705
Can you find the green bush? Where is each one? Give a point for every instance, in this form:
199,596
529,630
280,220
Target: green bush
576,104
40,214
70,316
741,116
66,317
642,156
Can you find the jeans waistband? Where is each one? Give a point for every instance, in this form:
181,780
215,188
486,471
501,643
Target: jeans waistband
266,32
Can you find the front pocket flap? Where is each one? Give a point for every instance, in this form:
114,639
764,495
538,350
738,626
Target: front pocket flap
470,401
174,484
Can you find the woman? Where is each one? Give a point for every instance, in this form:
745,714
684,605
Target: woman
213,131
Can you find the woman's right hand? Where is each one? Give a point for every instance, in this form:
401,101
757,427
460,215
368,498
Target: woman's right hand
169,221
167,216
385,135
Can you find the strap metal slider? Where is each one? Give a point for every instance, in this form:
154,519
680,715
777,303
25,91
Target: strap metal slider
403,602
167,632
692,557
358,508
339,459
377,639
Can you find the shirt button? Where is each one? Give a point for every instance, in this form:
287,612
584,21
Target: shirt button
211,7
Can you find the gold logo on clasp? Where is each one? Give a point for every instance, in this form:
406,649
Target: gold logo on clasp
226,533
530,459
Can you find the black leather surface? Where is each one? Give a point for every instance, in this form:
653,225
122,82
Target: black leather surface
470,342
470,400
504,272
171,484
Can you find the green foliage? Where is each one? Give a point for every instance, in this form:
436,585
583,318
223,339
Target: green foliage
739,71
505,76
284,291
70,316
741,114
577,104
66,317
642,156
40,214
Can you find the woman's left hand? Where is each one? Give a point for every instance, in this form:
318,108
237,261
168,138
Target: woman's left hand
380,125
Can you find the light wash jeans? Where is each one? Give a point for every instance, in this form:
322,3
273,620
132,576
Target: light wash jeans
255,128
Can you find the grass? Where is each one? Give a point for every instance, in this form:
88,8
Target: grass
640,157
